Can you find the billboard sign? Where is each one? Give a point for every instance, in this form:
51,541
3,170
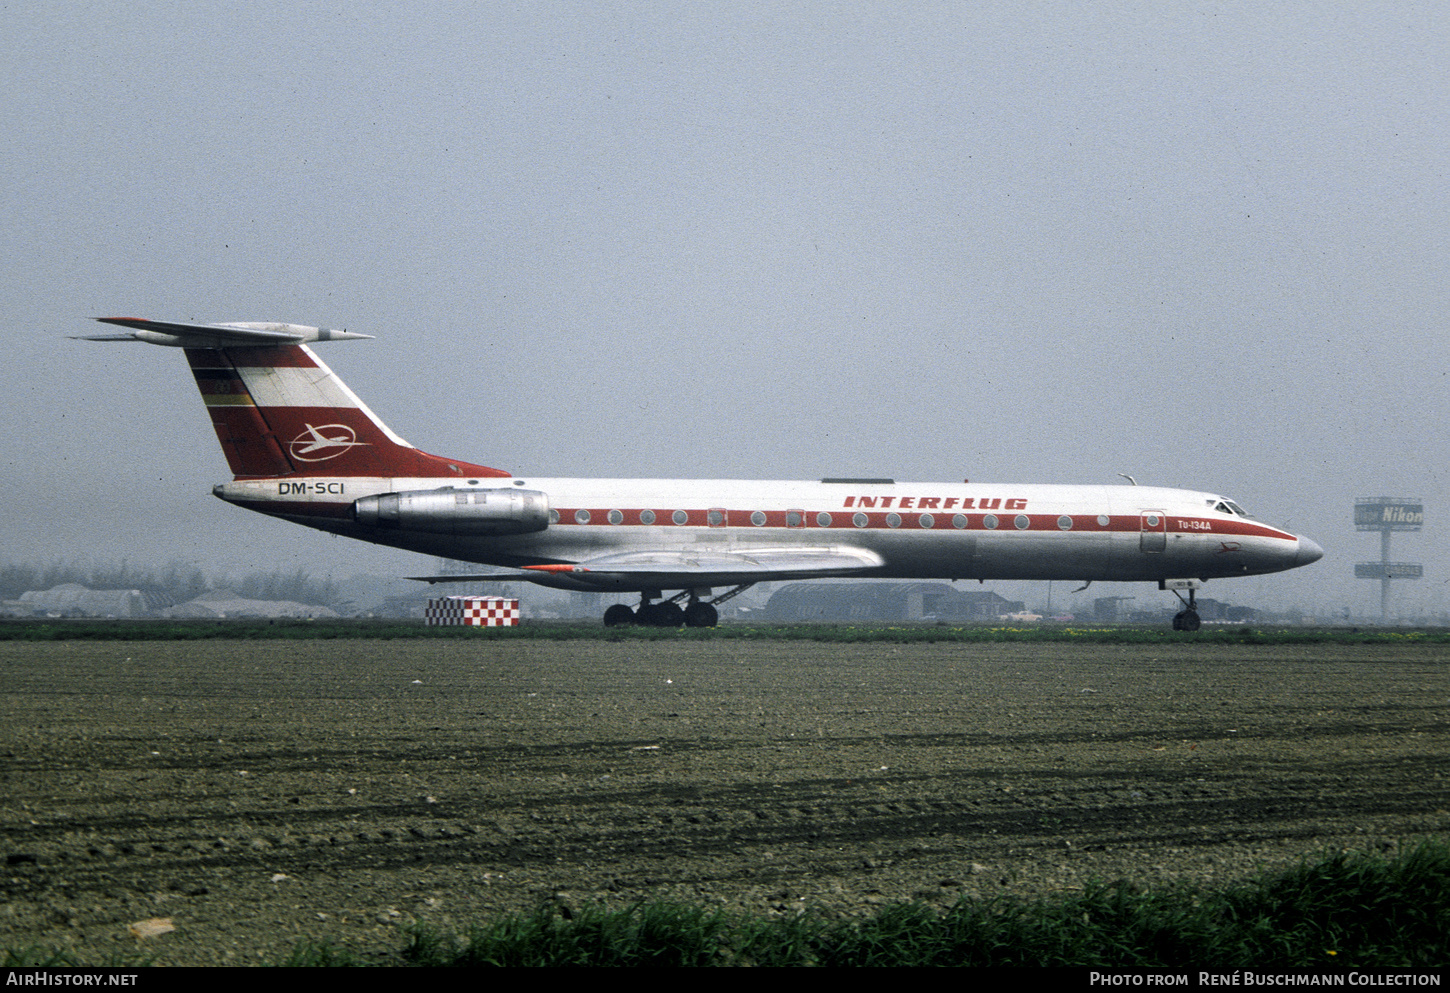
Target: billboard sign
1388,570
1388,514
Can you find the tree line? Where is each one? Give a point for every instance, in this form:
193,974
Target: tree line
179,582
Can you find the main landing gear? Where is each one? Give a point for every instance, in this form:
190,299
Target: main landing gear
696,613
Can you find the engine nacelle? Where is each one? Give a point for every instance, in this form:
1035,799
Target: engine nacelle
454,511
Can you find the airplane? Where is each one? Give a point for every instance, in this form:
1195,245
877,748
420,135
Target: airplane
301,446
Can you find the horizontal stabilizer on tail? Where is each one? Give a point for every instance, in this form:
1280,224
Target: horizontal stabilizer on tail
279,411
240,334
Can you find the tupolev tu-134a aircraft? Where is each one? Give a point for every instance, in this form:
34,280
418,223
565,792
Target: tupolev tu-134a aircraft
304,448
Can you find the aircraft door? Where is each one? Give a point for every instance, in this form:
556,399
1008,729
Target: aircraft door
1153,533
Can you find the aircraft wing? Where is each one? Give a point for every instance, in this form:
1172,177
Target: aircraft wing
188,335
680,568
759,562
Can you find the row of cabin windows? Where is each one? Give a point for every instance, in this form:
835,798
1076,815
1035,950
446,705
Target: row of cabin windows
796,519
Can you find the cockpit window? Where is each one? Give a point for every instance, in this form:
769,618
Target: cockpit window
1229,507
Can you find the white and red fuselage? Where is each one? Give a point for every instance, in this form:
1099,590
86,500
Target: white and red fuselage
304,448
892,529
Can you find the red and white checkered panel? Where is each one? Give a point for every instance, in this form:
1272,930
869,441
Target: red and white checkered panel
474,611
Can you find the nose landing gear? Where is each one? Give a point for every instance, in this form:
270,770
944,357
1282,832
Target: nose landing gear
1187,618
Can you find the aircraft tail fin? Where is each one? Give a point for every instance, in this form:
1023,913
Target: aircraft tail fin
278,410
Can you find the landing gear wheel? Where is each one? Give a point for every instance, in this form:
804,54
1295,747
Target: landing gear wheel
701,615
1186,620
661,615
670,615
618,616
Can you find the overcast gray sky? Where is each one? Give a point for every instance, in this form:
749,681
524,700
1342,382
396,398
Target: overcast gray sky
1205,244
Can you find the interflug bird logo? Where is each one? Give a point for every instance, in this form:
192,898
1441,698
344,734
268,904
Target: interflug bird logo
321,444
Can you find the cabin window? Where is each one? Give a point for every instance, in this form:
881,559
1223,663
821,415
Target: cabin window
893,520
581,517
758,518
1064,523
860,520
646,516
716,518
795,518
1022,521
959,521
553,517
823,519
616,517
926,521
1103,520
679,517
990,522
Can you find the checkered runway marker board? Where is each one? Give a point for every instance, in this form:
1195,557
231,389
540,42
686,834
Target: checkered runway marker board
474,611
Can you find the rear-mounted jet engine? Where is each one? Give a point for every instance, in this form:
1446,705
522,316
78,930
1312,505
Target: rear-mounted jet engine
451,511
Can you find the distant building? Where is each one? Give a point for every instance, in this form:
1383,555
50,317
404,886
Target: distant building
883,602
1217,610
224,603
1109,609
75,600
403,605
1210,611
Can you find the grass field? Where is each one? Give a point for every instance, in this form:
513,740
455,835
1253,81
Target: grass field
1336,912
1125,634
776,799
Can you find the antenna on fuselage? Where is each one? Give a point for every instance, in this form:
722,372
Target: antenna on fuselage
1128,478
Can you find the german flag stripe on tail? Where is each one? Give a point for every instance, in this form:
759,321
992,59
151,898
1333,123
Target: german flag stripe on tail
279,411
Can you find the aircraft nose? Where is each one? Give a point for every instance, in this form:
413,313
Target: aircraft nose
1309,551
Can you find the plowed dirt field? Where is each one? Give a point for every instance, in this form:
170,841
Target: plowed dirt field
258,794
